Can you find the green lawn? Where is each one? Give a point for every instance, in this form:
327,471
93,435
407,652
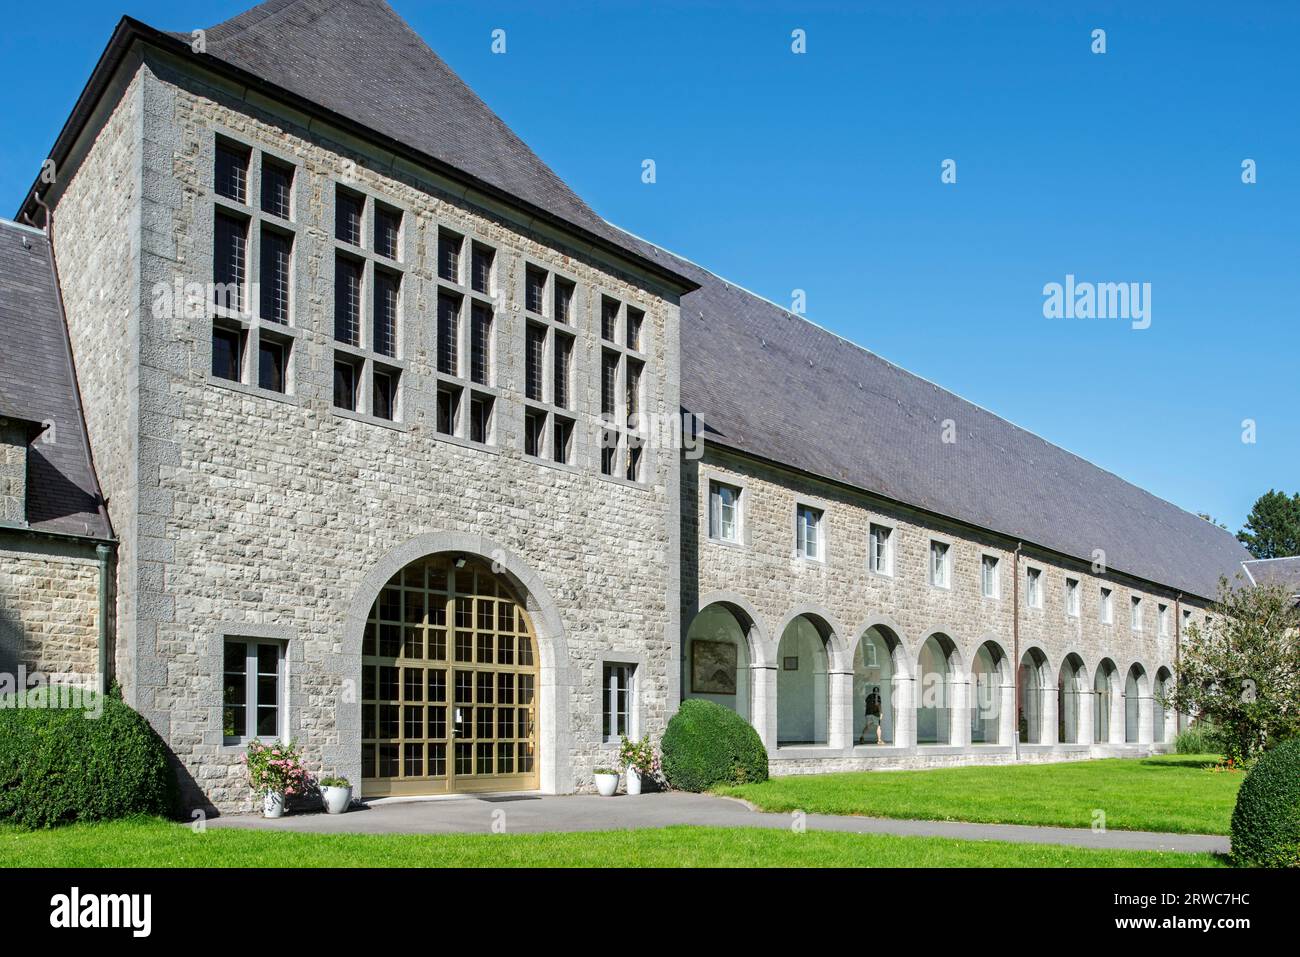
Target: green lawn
155,843
1165,793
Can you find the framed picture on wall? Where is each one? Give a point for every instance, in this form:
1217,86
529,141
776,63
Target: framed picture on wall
790,663
713,667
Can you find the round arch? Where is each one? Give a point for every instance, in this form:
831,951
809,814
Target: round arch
1107,704
1033,698
810,650
881,674
722,644
1137,705
939,673
1163,723
988,699
1071,699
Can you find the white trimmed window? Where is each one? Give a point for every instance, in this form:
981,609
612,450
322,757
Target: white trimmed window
880,549
808,532
1106,607
1135,613
990,573
1187,620
724,512
940,564
251,682
1162,620
1034,587
617,685
1072,597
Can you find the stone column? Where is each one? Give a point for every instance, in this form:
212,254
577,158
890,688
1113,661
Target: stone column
903,689
1146,719
1008,727
1118,719
762,682
1051,717
839,721
959,712
1086,705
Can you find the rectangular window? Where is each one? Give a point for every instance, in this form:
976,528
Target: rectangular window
448,409
480,419
388,231
347,216
227,354
563,356
272,364
633,388
448,333
347,375
880,549
724,512
229,262
616,698
1106,611
277,250
387,296
1162,620
608,319
534,356
939,564
608,452
231,173
384,392
563,301
534,432
990,586
347,300
252,675
1072,597
480,342
277,188
634,319
562,440
480,279
534,289
635,451
1135,613
808,532
1034,587
1187,621
449,246
608,381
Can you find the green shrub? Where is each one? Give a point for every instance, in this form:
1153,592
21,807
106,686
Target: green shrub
706,745
1266,820
1197,738
94,762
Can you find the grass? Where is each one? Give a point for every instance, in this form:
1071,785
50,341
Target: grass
1176,792
148,842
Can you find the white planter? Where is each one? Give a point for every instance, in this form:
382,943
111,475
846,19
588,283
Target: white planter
336,799
607,784
633,781
273,804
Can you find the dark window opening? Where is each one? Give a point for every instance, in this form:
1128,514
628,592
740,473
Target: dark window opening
449,246
385,394
562,440
277,254
634,450
272,364
634,319
563,351
534,355
480,342
448,409
227,354
231,173
481,269
608,319
346,380
347,300
633,392
388,230
229,262
448,333
534,432
387,296
608,452
608,381
480,418
277,188
563,301
534,289
347,217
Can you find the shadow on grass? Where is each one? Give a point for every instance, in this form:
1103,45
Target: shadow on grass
1191,761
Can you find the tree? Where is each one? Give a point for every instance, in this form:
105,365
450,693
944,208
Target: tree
1273,526
1241,670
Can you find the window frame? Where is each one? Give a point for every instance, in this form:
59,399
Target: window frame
890,564
939,576
252,703
605,705
1135,613
1034,587
994,592
714,532
1106,605
1073,598
800,535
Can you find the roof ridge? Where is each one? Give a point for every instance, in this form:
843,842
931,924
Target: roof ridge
1275,558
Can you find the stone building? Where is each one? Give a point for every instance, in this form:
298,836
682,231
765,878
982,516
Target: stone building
389,424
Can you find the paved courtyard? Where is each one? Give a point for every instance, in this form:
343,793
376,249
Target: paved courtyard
535,813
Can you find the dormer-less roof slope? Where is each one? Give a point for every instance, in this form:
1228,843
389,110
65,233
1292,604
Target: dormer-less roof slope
1275,571
37,384
771,384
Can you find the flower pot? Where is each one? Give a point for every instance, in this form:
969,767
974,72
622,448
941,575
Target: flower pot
607,784
336,799
273,804
633,781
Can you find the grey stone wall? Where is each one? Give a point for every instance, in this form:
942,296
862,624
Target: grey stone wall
49,606
13,472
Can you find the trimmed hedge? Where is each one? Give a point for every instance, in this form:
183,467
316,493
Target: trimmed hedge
60,765
706,744
1266,820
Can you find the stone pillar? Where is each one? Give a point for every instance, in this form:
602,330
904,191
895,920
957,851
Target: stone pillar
839,723
959,712
1146,719
1008,727
1086,704
762,682
1051,717
904,699
1118,719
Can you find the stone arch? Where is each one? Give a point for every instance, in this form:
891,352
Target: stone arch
1035,697
1073,710
810,679
555,769
881,707
941,677
991,693
728,619
1107,703
1137,705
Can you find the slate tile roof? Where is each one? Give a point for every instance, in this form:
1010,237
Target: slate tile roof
1275,571
36,384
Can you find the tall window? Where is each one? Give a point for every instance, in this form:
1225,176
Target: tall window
1162,620
228,353
534,289
1187,620
347,300
480,342
1072,597
808,532
252,678
616,702
608,452
940,564
634,319
633,392
608,381
989,584
534,356
880,549
534,432
449,247
1106,611
387,289
1135,613
277,189
275,279
1034,587
230,262
562,440
563,301
724,512
480,279
608,318
231,172
388,231
348,207
448,333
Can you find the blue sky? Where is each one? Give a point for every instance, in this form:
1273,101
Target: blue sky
821,172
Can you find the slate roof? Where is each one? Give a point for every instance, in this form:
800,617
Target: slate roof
37,384
1275,571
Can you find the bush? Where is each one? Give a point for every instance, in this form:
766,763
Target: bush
1196,739
1266,820
706,745
94,762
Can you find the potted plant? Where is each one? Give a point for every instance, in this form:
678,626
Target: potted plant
275,773
336,793
606,781
639,758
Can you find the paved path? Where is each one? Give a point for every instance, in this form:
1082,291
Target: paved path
534,813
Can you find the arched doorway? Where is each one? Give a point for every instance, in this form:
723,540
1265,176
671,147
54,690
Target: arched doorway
1135,694
1031,710
717,658
1070,691
449,683
874,708
1103,697
986,694
802,682
1162,717
935,667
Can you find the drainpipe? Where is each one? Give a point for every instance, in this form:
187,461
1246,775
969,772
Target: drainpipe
1178,636
1015,646
104,554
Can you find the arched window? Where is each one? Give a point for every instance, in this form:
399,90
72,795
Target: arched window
1162,715
802,683
1135,688
1070,690
986,694
934,669
1103,694
717,657
873,687
1032,691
